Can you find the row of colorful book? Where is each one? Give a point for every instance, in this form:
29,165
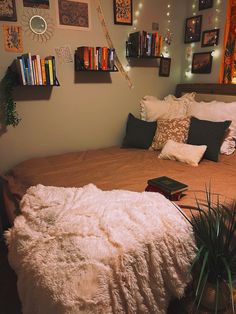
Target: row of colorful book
34,70
94,58
144,44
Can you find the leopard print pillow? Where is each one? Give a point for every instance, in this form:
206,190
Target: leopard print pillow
170,129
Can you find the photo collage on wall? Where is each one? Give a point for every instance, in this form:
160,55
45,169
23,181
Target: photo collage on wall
70,14
201,61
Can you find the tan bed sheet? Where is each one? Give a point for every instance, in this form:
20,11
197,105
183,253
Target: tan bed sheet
116,168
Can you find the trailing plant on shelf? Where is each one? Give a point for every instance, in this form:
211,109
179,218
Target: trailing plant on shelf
9,81
214,267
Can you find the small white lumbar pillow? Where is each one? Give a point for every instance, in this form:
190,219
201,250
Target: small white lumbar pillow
190,154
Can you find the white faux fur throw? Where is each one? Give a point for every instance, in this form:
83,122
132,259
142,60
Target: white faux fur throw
84,250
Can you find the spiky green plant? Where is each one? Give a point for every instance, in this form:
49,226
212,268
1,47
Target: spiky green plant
214,227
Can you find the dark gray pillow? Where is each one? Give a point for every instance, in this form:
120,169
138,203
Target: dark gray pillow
139,133
203,132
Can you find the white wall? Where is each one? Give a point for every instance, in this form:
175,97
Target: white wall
86,112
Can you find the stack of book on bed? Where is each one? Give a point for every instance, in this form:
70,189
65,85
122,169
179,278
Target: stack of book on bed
170,188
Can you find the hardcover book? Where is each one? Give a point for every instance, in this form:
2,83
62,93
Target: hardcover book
168,185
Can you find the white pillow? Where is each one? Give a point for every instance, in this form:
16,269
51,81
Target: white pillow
190,154
171,107
217,111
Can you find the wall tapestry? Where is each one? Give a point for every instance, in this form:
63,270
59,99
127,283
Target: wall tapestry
13,38
8,10
228,65
74,14
41,4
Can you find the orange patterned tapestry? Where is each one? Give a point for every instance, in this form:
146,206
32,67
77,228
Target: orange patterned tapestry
228,66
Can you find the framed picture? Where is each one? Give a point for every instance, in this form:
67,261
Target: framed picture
202,62
164,69
123,12
41,4
13,41
8,10
210,37
193,28
205,4
73,14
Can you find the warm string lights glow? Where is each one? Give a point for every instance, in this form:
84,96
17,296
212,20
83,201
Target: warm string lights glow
168,35
213,19
137,14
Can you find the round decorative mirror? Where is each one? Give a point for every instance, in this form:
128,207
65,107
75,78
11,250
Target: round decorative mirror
38,24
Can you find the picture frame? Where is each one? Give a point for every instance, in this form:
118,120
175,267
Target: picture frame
210,37
123,12
193,27
164,69
13,38
8,10
205,4
66,17
40,4
202,62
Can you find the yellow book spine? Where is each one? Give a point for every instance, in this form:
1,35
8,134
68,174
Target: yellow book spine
50,71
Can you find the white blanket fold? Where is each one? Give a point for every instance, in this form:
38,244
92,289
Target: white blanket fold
83,250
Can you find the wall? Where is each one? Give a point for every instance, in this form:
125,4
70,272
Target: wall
211,18
86,111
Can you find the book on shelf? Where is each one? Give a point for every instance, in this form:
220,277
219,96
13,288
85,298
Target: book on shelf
144,44
21,70
94,58
34,70
167,185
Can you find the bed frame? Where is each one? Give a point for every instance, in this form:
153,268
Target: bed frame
219,89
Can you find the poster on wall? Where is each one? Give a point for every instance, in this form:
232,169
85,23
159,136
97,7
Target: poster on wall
123,12
13,41
74,14
41,4
8,10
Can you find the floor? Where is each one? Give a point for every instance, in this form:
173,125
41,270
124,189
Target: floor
10,303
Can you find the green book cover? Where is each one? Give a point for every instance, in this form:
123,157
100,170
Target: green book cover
167,184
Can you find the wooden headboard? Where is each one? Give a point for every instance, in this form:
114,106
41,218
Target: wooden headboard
217,89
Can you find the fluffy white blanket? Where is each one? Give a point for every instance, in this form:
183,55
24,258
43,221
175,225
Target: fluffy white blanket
83,250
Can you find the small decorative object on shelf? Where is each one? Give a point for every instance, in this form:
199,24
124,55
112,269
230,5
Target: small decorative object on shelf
95,59
144,45
36,71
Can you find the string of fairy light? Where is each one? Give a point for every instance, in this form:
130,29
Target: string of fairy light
213,20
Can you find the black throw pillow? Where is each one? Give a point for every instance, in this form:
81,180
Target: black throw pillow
139,133
203,132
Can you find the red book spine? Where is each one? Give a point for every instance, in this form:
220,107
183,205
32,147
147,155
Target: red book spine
173,197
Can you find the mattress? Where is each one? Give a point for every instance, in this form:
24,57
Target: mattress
116,168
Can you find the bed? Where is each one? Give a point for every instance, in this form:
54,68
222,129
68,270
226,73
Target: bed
79,255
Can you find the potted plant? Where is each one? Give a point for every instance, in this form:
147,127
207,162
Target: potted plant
9,81
214,267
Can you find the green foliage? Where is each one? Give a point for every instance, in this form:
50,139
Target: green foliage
9,81
214,228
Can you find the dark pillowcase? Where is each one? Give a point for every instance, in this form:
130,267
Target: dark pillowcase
139,133
203,132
